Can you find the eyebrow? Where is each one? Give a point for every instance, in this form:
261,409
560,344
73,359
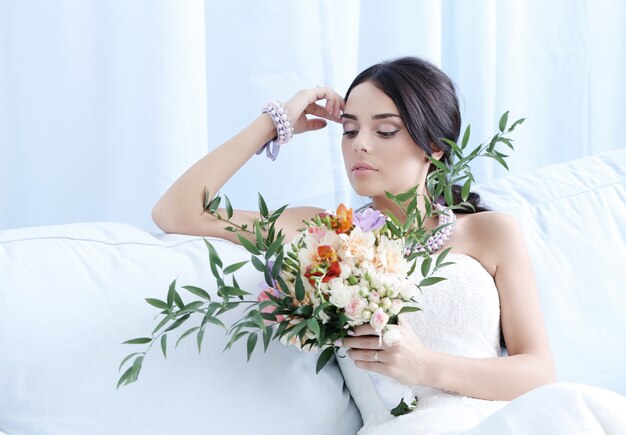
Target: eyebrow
379,116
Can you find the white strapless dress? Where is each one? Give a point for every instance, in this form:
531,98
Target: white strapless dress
460,316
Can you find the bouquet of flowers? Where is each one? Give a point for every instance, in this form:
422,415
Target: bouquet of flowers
342,270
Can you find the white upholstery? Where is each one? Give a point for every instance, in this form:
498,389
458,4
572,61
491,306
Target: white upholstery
70,294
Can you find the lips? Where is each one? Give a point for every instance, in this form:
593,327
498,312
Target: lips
362,166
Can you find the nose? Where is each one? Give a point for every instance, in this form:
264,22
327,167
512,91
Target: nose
359,144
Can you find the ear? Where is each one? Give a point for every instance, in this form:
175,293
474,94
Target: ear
437,154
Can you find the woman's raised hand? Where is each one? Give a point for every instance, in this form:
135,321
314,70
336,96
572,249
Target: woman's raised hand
305,103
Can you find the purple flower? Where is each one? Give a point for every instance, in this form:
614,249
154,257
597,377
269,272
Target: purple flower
369,219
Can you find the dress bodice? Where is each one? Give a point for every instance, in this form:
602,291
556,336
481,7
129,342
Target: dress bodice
460,316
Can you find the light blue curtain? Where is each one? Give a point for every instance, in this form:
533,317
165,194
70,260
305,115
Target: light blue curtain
103,104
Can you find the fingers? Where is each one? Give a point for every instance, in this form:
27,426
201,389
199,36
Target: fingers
367,356
315,124
322,112
364,342
334,102
365,329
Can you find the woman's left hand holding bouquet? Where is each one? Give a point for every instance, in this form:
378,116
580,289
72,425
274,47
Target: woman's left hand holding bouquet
408,361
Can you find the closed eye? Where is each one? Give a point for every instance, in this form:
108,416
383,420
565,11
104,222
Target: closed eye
388,133
353,133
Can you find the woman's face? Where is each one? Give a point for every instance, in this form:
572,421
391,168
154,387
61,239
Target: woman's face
375,136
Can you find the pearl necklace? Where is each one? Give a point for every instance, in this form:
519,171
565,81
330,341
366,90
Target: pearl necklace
439,238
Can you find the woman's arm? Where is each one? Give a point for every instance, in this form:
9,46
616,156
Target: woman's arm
180,209
529,363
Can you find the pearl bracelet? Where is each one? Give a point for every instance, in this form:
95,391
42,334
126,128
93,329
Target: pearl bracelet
284,130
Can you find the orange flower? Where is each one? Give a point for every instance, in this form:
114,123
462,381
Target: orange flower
333,271
344,219
326,253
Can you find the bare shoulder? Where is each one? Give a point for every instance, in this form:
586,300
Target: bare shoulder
490,237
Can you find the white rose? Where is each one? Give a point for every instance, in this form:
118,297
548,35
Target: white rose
408,290
392,335
379,319
385,303
340,294
396,306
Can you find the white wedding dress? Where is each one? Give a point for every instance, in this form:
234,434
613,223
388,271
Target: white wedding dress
460,316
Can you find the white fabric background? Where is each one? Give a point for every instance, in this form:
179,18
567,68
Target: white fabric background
103,104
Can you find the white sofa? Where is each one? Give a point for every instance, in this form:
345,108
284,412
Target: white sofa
70,294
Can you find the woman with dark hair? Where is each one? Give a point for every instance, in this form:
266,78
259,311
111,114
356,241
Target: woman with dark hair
394,116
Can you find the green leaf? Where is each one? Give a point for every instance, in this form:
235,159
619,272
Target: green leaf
409,309
164,345
252,339
257,319
313,326
126,378
207,198
177,323
465,190
430,281
199,339
466,136
267,337
439,164
299,287
234,291
248,245
214,204
503,120
441,257
142,340
178,300
276,214
259,235
234,267
170,294
216,321
500,160
157,303
186,334
136,368
324,358
229,207
516,123
213,255
262,206
235,338
127,358
161,324
426,265
278,264
197,291
258,264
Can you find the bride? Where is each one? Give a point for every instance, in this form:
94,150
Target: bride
394,116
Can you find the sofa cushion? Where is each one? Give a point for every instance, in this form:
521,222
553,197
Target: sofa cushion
573,216
71,294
